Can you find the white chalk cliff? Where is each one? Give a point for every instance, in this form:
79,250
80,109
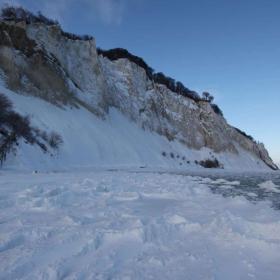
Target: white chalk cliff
109,113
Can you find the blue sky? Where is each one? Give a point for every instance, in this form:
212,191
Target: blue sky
230,48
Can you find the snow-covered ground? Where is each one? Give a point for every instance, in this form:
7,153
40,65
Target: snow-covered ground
129,225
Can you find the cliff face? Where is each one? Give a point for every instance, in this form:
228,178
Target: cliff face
29,68
39,60
155,107
79,61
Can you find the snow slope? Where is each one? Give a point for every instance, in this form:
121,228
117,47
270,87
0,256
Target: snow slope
114,142
120,225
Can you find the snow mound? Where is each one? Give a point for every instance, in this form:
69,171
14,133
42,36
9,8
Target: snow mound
225,182
269,186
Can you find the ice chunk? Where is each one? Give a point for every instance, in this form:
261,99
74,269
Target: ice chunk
269,186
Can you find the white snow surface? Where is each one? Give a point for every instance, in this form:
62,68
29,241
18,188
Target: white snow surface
114,142
269,186
129,225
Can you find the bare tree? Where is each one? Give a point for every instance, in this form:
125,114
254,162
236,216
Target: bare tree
206,96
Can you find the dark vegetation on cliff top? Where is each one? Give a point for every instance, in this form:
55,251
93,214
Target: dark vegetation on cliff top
19,14
160,78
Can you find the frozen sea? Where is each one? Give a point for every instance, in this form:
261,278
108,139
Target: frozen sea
257,186
139,224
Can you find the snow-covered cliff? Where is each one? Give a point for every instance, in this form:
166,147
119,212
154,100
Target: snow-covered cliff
109,113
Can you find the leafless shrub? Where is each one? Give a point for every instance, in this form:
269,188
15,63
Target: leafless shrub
13,127
209,163
55,140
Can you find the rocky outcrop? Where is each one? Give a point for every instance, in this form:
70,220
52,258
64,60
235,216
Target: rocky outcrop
79,60
28,68
39,60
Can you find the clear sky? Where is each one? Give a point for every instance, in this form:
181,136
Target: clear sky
228,47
